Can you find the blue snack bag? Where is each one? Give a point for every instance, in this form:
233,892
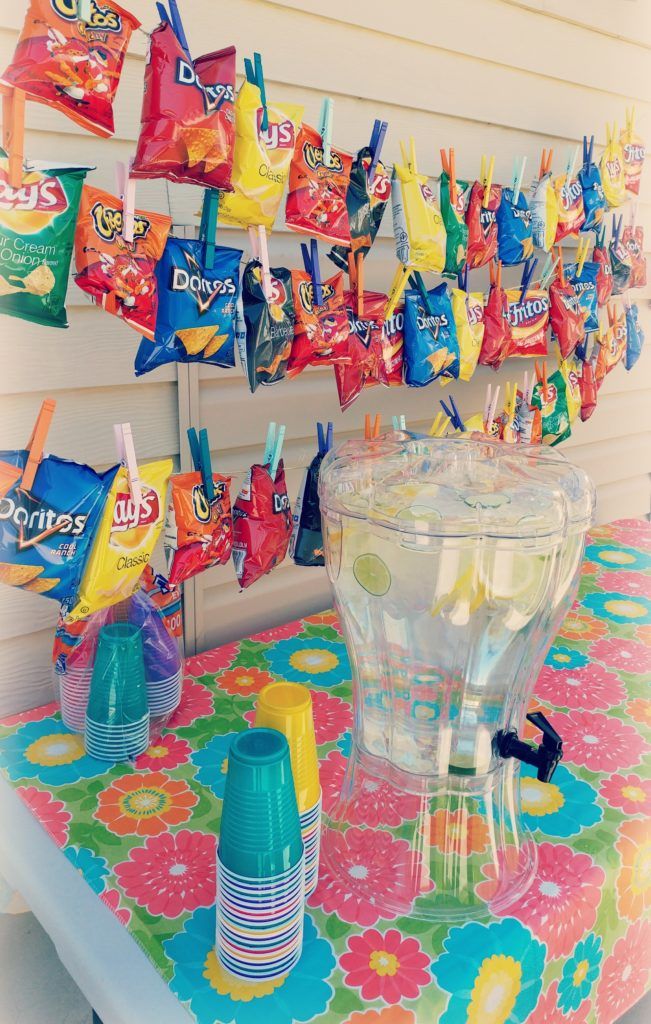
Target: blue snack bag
594,197
514,230
196,306
634,337
431,346
585,289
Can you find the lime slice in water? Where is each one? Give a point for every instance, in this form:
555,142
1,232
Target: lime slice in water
372,574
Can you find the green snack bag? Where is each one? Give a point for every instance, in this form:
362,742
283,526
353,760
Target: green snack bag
454,219
554,410
37,230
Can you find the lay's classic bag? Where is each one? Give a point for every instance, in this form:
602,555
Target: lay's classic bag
543,204
72,66
431,346
529,318
571,370
613,177
482,225
468,313
196,307
269,330
37,230
124,542
514,235
454,220
260,161
418,226
366,202
585,289
316,201
634,337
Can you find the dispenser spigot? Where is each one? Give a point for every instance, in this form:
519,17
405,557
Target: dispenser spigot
544,758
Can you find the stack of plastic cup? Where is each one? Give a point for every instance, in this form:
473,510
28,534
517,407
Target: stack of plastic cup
74,688
162,660
260,869
287,707
117,716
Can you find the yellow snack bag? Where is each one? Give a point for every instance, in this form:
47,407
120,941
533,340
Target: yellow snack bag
468,312
570,369
124,541
613,174
634,152
417,222
261,159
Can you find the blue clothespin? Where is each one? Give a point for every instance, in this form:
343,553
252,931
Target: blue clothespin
377,141
453,413
416,281
179,31
321,438
311,263
462,278
162,13
527,274
330,435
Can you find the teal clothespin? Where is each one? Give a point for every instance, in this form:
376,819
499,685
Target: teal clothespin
269,444
85,11
325,127
259,79
278,447
208,228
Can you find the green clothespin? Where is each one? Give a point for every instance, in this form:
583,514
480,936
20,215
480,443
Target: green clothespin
208,228
325,127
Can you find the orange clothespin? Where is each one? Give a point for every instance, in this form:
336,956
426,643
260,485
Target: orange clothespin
13,132
36,443
127,455
367,427
377,425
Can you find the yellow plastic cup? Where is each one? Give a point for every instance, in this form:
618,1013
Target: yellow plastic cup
287,707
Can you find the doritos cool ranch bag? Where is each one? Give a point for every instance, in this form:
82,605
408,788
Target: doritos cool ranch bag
269,324
120,276
125,541
188,125
72,66
198,532
316,201
431,346
417,222
528,318
262,524
196,307
366,202
320,332
261,159
37,228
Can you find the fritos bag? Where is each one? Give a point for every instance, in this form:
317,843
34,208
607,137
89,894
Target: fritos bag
633,239
544,212
120,276
269,325
514,237
262,524
634,152
601,257
454,220
366,202
316,201
468,313
418,226
482,225
613,177
196,307
375,348
555,418
37,228
588,388
125,541
566,316
198,532
634,337
431,345
571,212
260,161
72,66
497,326
585,289
320,332
529,320
188,126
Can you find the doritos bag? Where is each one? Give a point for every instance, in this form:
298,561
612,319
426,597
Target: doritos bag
269,325
196,307
634,152
585,289
620,264
120,276
125,541
588,389
320,332
468,313
454,220
514,237
431,346
482,225
634,337
555,420
72,66
601,257
366,202
306,546
316,201
571,213
544,212
566,316
613,177
418,226
261,159
529,320
198,532
497,326
594,199
262,524
375,348
633,239
37,228
188,125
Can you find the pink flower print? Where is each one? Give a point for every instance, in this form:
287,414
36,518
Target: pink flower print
385,966
622,655
332,716
625,974
213,661
635,584
628,793
111,897
172,873
599,742
589,688
51,813
549,1012
166,753
196,702
376,802
284,632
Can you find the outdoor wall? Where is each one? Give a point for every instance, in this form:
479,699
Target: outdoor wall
486,76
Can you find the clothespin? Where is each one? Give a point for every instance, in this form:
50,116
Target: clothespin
545,163
359,284
572,157
36,443
255,75
367,427
462,278
269,444
127,193
399,422
581,254
517,181
416,281
527,274
311,264
127,455
616,228
541,377
325,127
525,385
560,268
320,433
398,286
200,451
483,168
208,228
177,25
440,425
548,269
260,251
84,10
330,435
453,413
448,164
488,181
377,141
490,407
13,132
377,425
277,452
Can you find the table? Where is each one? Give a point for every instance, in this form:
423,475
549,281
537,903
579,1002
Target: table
118,863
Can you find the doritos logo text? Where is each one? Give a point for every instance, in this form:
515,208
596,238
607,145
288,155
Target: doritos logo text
36,523
280,502
213,95
108,223
102,18
204,290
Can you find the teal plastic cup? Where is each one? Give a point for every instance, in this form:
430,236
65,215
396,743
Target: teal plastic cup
260,832
118,690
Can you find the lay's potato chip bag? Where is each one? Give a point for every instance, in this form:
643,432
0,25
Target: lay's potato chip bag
468,313
571,371
552,403
125,541
418,226
261,159
613,177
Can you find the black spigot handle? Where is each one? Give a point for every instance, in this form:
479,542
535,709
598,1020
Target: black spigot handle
544,757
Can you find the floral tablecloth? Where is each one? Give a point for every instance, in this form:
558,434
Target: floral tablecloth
575,949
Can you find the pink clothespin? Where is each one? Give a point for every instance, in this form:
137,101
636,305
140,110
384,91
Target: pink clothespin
127,193
127,455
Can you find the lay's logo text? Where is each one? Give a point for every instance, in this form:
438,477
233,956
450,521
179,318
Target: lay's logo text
37,194
107,223
126,516
102,18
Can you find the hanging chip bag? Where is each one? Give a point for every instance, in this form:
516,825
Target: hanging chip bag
566,317
261,159
454,221
262,524
374,351
418,226
431,345
514,236
187,132
468,313
497,326
198,532
366,202
37,228
320,332
634,337
585,289
72,66
620,264
555,418
482,225
120,276
269,330
588,388
601,257
196,307
613,178
594,199
316,201
633,239
529,319
544,212
570,370
571,212
306,546
634,153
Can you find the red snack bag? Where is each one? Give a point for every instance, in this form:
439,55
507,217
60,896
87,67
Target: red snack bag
188,126
633,239
588,389
566,316
601,256
482,225
375,348
198,532
262,524
497,327
571,212
119,275
320,332
316,202
70,65
528,318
